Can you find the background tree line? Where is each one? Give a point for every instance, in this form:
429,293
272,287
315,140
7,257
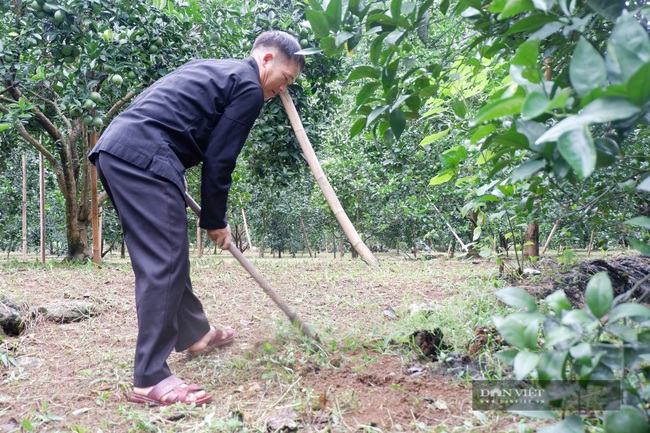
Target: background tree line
469,122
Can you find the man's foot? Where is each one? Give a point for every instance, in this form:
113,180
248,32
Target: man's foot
170,391
216,337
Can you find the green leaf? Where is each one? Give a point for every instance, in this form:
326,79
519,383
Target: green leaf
587,68
551,366
397,122
517,298
607,151
638,86
366,92
527,169
525,363
516,333
499,108
601,110
514,7
358,127
318,22
396,8
507,355
376,112
535,105
599,294
557,301
559,335
608,9
459,107
640,221
530,24
628,48
629,309
570,424
641,247
433,137
334,13
360,72
4,126
578,149
442,177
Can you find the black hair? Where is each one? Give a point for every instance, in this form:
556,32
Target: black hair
287,44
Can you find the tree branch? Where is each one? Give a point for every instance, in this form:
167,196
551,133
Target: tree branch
119,104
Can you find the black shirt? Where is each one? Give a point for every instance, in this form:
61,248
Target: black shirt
201,112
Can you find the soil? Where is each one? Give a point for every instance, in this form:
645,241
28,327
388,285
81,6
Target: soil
77,376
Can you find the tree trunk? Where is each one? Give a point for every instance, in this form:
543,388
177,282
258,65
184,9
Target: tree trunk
532,240
591,243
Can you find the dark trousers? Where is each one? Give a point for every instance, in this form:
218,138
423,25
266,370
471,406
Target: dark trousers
154,220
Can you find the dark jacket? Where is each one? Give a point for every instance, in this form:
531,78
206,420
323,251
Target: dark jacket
201,112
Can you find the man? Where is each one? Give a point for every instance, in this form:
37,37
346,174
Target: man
200,113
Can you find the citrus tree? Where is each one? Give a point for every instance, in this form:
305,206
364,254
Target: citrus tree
66,68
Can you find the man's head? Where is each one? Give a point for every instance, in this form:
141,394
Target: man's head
279,65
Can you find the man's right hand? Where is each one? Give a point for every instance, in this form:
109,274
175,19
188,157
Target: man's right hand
221,236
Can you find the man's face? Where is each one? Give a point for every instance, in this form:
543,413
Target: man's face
277,73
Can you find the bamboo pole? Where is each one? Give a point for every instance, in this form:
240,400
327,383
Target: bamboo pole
94,206
248,236
323,183
41,193
550,236
24,208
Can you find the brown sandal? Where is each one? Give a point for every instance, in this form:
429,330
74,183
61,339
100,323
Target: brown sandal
223,337
173,387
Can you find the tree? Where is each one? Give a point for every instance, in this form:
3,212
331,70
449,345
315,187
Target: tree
66,69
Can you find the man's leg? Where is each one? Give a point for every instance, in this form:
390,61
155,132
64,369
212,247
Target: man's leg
153,216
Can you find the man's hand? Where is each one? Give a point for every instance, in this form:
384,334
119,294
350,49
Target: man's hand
221,237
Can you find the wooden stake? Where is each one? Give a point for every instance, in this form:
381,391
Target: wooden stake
199,239
41,193
24,207
304,235
591,243
94,206
550,236
248,236
322,181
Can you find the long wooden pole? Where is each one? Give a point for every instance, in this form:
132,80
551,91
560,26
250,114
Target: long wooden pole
292,315
24,208
550,236
322,181
248,236
41,193
94,207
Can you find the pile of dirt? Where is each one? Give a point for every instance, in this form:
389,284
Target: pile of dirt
624,272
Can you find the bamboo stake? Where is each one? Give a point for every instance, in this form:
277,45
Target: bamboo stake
295,319
550,236
24,207
248,236
94,206
323,183
41,193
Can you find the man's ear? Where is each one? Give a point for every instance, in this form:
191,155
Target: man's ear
268,56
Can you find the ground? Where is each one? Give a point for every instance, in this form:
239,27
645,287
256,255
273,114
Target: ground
364,375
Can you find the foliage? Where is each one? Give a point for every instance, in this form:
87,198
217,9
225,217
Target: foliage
68,67
607,339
